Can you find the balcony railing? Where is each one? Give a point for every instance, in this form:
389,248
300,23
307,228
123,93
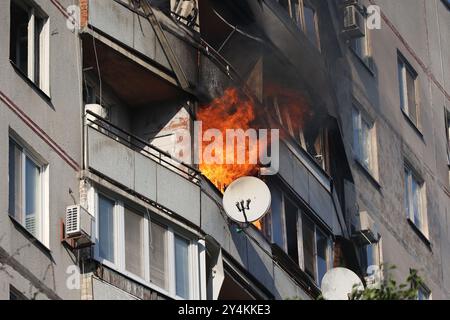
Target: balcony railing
141,146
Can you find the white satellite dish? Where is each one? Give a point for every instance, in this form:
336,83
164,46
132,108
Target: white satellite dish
339,283
247,199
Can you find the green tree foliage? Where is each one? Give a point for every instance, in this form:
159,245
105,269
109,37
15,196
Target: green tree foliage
389,289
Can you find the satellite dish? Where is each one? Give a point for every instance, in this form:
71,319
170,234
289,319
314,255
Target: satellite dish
339,283
247,199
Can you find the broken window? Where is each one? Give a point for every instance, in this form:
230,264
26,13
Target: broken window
29,42
26,189
139,246
407,77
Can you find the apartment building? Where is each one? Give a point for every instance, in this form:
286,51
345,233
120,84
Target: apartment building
95,107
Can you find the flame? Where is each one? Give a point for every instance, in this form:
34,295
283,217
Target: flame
230,111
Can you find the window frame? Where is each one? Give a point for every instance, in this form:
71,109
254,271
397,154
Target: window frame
410,175
406,68
358,150
120,256
38,59
301,213
43,219
302,23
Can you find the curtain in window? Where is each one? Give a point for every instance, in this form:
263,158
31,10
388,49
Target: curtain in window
182,267
310,24
401,83
415,188
32,195
406,196
106,228
158,255
366,143
134,243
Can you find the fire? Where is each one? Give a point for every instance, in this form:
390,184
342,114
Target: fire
230,111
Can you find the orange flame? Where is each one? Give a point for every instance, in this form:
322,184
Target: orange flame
230,111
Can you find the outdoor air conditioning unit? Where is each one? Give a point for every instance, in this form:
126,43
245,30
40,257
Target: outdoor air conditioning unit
365,228
98,110
78,223
354,22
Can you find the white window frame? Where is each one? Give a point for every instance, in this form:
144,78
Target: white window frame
358,146
43,235
412,175
407,68
196,255
44,46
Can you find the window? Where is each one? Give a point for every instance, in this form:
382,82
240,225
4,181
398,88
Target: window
363,136
407,77
26,189
361,46
304,15
106,228
134,243
310,25
298,235
415,200
29,42
145,249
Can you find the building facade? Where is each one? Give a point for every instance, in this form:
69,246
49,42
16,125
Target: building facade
97,97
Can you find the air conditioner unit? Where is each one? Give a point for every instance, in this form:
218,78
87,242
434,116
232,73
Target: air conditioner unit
354,22
365,228
99,111
78,223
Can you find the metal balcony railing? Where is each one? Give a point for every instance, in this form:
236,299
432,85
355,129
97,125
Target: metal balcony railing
139,145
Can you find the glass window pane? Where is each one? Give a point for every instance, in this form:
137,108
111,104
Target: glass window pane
296,13
322,249
291,214
308,246
134,243
356,132
158,255
416,194
182,267
401,83
19,37
15,181
32,197
106,228
366,144
407,199
411,91
277,219
310,24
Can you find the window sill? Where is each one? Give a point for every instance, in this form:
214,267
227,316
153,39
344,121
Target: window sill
368,174
421,235
33,85
412,124
31,237
363,61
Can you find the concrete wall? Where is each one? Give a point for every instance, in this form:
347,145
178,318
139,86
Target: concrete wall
52,128
420,31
